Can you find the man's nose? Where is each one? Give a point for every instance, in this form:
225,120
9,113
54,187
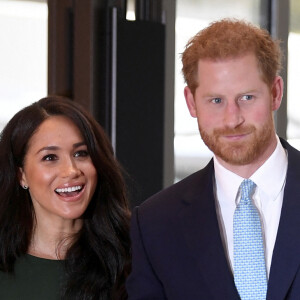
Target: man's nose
233,116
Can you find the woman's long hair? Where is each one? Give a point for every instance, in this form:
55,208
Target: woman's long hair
98,261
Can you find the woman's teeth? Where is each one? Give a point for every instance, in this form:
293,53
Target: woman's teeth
69,189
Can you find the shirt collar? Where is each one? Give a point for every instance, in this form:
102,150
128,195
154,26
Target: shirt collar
270,177
227,183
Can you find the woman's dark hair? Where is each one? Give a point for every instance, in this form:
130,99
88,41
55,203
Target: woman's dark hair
98,261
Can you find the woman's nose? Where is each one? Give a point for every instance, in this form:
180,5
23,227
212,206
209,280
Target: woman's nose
70,169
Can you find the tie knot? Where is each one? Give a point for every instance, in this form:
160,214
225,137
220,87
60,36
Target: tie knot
247,187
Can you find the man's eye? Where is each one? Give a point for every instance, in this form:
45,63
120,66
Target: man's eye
217,100
49,157
247,97
81,153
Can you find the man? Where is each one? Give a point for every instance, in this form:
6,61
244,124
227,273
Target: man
231,230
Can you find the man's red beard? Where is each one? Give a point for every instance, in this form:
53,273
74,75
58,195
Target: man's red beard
239,152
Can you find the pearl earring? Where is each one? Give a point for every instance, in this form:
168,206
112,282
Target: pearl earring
25,187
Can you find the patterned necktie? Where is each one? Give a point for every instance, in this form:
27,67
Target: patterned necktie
248,248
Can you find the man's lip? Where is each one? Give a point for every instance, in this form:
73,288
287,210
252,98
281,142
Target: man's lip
235,136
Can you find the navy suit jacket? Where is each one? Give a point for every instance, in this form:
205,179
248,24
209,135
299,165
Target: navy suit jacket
177,248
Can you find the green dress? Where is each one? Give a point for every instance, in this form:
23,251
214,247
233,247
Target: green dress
34,279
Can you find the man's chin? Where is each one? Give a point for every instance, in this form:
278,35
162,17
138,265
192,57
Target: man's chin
236,156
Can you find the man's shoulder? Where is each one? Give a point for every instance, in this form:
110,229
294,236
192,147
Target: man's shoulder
286,145
293,154
181,191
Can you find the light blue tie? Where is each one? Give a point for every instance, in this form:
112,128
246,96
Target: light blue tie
250,275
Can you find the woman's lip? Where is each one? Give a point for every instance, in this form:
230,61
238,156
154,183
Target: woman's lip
72,196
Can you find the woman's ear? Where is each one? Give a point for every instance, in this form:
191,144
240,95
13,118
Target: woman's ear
22,178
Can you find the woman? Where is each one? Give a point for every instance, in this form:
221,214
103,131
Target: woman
63,211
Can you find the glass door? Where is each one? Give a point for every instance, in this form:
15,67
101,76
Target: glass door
23,55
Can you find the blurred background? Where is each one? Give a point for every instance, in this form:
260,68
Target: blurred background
41,42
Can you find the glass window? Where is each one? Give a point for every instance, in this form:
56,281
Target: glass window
293,93
130,14
192,15
23,55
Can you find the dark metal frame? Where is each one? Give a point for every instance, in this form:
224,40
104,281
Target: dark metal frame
275,15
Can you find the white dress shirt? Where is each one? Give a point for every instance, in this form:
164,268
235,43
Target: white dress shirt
270,181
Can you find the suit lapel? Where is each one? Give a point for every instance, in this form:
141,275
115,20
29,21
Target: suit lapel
286,254
200,227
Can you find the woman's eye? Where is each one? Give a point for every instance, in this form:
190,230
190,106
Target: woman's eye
216,100
81,153
49,157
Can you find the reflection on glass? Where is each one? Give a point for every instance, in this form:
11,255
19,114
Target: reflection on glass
23,55
193,15
293,94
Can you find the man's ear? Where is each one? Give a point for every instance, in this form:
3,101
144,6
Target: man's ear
190,101
277,92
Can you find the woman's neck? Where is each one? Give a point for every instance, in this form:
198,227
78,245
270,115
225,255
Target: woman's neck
51,240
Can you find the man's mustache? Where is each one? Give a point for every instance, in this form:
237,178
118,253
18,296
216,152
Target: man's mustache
234,131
